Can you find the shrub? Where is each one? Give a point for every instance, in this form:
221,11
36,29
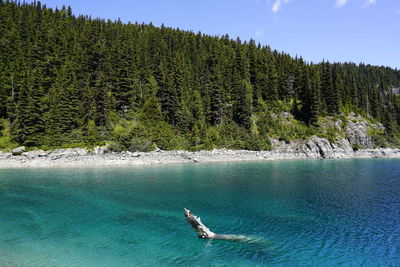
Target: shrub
166,137
257,144
6,142
142,145
356,147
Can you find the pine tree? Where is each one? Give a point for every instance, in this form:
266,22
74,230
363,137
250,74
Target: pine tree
67,79
315,98
29,121
242,105
329,92
216,100
64,105
214,88
270,91
169,100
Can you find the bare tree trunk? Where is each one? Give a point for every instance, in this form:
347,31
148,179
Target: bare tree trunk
201,230
205,233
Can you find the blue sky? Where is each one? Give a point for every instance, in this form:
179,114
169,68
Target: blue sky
336,30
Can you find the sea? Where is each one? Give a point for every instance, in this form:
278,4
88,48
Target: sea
341,212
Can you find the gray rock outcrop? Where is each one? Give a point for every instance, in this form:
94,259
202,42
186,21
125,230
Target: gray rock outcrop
319,146
34,154
101,150
357,129
314,147
356,133
67,153
18,151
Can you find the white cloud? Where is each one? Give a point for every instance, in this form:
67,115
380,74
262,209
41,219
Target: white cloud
340,3
277,5
371,2
259,32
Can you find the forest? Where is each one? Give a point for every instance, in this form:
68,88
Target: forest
77,81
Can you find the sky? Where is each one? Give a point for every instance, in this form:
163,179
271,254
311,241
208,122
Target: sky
366,31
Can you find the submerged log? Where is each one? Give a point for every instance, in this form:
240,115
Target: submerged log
201,230
205,233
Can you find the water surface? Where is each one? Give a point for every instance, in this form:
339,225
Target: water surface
295,213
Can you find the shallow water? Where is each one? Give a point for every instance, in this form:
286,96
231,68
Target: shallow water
293,213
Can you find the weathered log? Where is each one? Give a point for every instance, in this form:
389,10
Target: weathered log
205,233
201,230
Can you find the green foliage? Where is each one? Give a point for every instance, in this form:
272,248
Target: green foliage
137,136
6,142
356,146
252,142
92,133
283,127
67,80
130,135
378,137
212,138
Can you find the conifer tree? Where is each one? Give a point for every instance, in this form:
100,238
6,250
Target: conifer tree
68,79
315,98
63,105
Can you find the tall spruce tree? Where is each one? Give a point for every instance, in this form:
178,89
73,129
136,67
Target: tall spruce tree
66,78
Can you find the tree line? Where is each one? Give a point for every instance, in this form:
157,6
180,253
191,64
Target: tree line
75,80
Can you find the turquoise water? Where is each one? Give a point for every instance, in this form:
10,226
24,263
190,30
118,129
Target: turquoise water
294,213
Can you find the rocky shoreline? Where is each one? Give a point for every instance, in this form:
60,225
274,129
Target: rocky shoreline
313,148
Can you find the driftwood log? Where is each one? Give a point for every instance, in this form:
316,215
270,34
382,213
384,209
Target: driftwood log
201,230
205,233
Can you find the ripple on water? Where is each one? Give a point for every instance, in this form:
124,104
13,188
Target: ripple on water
296,213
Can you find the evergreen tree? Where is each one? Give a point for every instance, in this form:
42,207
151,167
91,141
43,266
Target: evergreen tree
315,98
329,91
64,105
70,79
29,124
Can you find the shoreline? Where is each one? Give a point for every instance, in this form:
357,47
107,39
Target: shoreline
80,157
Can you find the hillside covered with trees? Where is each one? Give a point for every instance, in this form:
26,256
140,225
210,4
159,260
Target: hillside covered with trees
77,81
